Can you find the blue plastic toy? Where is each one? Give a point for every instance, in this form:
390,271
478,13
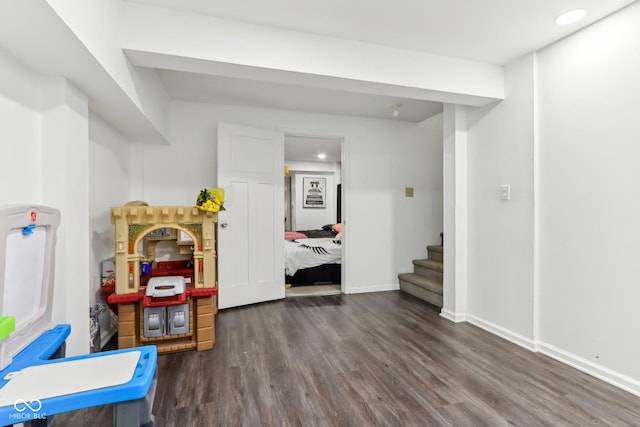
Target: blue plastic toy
36,380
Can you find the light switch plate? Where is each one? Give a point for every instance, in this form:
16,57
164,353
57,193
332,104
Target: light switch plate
505,192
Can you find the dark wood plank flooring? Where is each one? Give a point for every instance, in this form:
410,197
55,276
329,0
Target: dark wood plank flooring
379,359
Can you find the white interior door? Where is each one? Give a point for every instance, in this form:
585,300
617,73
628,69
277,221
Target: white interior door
251,230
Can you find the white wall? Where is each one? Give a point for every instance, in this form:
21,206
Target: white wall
98,24
589,195
44,152
500,250
110,164
20,174
64,151
312,218
454,159
174,175
386,230
554,269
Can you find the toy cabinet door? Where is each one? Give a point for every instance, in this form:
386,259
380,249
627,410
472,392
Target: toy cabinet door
251,229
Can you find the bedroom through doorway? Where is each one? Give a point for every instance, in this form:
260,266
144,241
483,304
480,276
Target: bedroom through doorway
313,205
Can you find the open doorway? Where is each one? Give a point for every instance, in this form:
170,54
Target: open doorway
313,215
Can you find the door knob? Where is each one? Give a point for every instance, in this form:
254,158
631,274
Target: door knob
223,224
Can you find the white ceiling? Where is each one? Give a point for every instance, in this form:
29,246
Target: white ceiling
490,31
236,91
303,148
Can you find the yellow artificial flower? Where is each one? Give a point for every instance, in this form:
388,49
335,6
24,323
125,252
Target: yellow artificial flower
211,200
218,193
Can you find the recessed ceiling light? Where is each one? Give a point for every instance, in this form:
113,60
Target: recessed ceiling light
322,156
570,17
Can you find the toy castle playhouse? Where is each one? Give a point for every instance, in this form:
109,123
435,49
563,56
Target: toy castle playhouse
36,380
171,304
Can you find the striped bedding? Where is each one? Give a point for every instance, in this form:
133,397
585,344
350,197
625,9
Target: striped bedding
305,253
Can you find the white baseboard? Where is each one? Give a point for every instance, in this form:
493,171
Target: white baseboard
605,374
598,371
508,335
454,317
376,288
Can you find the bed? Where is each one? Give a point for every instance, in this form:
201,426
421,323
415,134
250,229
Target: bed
312,260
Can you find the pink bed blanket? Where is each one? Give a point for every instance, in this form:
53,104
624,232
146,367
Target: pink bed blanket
293,235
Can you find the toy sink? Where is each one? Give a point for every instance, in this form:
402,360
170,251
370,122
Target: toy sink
165,286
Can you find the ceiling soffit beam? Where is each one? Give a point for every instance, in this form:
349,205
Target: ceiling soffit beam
200,66
34,33
167,39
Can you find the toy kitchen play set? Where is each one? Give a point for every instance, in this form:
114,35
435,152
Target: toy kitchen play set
36,380
170,304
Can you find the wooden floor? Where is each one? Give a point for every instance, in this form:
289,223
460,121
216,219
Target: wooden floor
379,359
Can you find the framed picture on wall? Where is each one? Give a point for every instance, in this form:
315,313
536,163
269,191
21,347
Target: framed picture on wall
314,192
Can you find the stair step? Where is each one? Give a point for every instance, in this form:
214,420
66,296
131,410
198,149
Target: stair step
436,253
430,264
421,281
420,287
429,269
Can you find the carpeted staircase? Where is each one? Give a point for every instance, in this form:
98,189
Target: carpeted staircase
426,280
